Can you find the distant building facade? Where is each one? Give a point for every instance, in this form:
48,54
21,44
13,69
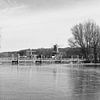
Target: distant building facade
29,53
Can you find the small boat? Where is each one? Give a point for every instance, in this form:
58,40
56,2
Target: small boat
14,61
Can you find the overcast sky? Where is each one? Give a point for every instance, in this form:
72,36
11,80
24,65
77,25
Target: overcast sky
42,23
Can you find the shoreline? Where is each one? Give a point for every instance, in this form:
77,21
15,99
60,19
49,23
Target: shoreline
46,61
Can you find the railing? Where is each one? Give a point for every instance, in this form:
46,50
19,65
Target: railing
33,60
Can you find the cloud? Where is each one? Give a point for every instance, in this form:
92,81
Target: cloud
17,7
40,28
43,4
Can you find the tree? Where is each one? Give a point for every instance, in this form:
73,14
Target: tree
95,41
86,36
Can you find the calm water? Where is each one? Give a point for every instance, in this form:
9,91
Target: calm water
49,82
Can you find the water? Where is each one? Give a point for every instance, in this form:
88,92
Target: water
49,82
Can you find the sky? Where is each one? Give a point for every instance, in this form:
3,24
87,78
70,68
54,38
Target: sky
42,23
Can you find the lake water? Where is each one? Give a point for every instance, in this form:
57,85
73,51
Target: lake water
49,82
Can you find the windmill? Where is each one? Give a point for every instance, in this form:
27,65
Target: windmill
55,49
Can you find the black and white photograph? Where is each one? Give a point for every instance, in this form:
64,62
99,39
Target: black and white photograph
49,49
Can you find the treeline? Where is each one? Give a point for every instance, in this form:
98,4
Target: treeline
47,52
86,36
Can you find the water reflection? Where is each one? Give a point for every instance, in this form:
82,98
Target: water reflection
86,84
49,82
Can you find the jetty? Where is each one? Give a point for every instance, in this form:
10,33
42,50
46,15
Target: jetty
39,61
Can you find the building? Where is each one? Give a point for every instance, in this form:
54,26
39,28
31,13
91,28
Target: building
29,53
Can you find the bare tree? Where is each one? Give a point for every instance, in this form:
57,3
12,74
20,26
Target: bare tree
86,36
95,41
